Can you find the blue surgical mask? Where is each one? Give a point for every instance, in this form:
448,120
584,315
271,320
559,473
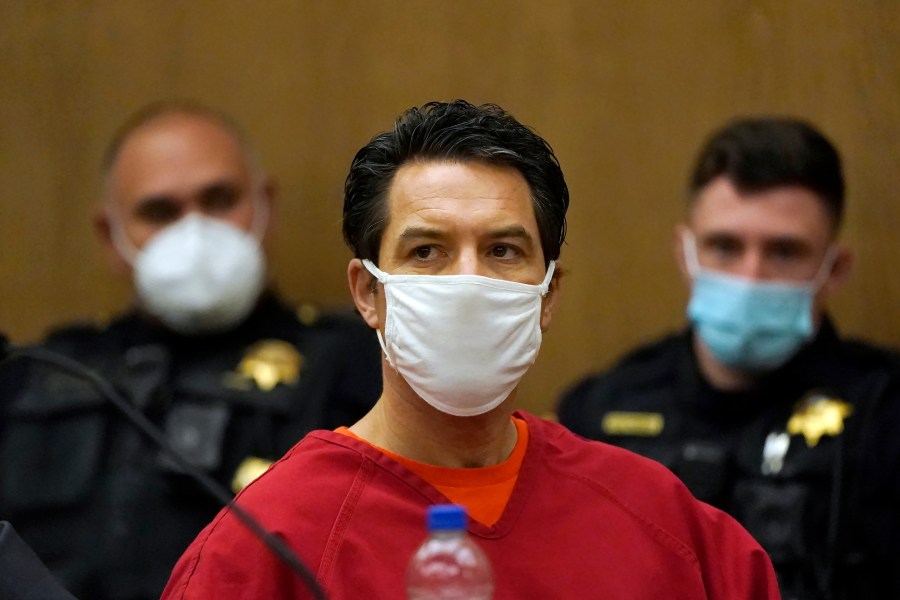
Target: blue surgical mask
751,325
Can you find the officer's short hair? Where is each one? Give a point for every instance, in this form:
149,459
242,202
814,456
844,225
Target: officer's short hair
460,132
761,153
165,108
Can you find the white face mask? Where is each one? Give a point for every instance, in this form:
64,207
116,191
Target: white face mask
461,342
198,275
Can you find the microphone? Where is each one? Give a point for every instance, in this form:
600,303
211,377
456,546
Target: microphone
137,419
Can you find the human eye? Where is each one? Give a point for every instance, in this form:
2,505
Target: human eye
219,198
724,247
424,252
158,211
786,251
719,251
504,251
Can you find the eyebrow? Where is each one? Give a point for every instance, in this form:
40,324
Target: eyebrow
513,231
411,233
226,183
714,236
795,243
153,202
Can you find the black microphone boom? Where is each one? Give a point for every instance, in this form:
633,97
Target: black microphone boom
148,429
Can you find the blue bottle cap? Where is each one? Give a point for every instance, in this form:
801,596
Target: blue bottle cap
446,517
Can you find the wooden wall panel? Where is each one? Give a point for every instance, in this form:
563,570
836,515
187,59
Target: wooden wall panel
624,91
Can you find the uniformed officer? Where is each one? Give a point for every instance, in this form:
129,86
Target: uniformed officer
759,406
232,374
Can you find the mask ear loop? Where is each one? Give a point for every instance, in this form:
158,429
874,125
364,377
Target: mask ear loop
381,276
260,218
120,240
825,269
689,245
545,285
377,273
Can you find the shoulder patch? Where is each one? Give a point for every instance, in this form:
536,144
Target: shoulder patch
76,332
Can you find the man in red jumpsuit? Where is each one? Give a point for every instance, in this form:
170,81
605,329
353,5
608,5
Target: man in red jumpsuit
456,218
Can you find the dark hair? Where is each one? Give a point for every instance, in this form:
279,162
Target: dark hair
454,131
761,153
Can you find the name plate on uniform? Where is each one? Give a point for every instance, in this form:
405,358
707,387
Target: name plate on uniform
644,424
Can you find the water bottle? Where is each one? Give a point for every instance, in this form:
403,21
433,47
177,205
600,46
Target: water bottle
449,565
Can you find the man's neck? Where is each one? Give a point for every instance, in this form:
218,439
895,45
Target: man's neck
721,377
728,379
402,423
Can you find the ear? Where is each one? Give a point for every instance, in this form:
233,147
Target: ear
364,295
103,227
840,271
269,198
678,239
548,306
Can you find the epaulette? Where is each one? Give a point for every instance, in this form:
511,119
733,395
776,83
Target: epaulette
312,315
645,366
89,336
48,390
76,333
649,360
868,355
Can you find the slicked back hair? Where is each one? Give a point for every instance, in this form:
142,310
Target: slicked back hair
454,131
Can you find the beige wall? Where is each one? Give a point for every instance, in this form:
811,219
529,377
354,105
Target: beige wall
623,90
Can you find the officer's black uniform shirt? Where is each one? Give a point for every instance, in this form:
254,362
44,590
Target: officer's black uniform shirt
105,510
808,460
22,574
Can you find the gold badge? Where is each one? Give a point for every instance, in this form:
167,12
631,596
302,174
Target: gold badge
266,364
644,424
818,415
247,471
